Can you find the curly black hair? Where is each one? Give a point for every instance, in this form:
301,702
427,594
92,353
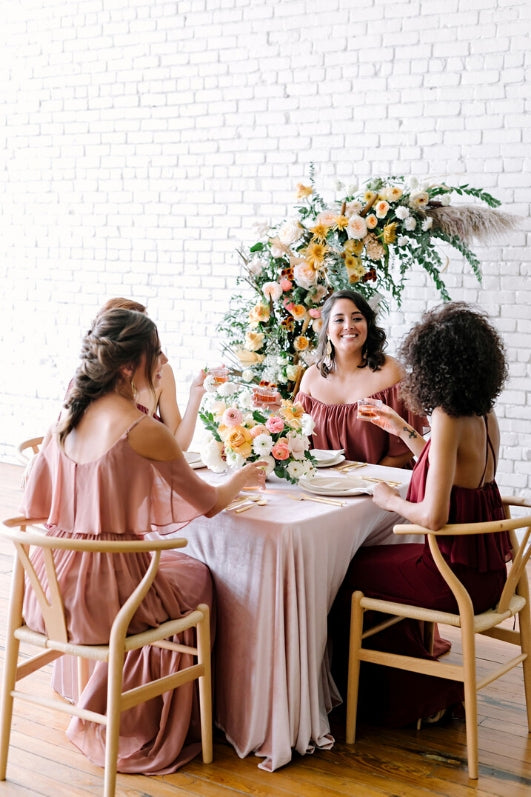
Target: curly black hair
454,359
373,348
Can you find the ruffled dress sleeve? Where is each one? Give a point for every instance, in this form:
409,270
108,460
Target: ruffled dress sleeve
120,493
337,426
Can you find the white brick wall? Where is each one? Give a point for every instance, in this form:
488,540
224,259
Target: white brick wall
142,139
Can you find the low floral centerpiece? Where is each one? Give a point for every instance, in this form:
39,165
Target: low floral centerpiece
369,239
241,427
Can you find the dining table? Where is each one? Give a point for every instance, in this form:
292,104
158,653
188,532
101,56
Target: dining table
277,564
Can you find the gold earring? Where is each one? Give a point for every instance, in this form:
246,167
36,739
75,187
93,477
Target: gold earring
328,349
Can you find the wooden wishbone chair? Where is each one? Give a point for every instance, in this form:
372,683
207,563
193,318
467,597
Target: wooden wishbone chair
55,643
34,443
514,602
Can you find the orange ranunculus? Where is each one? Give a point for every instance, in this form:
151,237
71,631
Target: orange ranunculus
281,449
301,343
298,311
239,440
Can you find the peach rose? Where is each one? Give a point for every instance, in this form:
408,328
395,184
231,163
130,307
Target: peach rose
281,449
239,440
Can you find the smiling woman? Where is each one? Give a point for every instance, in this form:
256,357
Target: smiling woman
351,365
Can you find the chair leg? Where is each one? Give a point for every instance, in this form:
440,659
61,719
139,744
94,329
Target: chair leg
6,703
356,629
205,684
471,696
112,728
524,625
14,620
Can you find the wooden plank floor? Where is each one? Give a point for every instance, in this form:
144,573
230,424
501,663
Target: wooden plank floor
383,762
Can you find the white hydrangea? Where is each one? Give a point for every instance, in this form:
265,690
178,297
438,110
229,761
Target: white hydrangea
402,240
410,223
427,224
402,212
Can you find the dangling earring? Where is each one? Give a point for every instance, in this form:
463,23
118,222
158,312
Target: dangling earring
328,354
133,388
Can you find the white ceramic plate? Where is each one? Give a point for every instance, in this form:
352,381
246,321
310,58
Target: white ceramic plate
336,461
194,459
326,458
347,484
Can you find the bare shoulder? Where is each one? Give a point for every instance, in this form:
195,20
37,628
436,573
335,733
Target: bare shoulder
392,369
152,439
310,379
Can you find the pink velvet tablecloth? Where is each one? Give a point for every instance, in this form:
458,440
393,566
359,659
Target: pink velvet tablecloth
276,570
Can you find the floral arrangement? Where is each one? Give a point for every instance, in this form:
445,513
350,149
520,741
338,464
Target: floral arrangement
369,240
238,432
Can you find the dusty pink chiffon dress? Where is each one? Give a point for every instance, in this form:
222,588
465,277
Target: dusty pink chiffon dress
337,426
122,495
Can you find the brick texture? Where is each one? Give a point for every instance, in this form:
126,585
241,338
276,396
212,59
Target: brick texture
141,140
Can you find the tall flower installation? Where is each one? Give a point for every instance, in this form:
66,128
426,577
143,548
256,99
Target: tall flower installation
239,431
369,239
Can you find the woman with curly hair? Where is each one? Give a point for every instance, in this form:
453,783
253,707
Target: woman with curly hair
455,368
351,365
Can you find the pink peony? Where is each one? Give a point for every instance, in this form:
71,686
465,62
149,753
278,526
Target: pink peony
232,417
274,424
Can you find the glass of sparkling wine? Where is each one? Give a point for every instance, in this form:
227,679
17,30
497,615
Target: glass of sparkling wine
368,407
220,374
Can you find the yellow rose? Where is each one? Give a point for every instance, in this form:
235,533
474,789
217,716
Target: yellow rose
239,440
249,357
254,340
259,313
304,191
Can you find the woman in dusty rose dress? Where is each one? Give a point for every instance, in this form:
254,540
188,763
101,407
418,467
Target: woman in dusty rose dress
109,471
351,365
456,368
161,402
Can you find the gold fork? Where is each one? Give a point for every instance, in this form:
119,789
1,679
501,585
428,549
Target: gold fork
346,466
317,499
383,481
255,502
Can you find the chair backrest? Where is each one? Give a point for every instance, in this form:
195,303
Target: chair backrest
33,444
29,532
516,582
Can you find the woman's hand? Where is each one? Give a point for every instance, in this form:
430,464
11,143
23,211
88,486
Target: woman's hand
385,496
387,419
255,474
197,384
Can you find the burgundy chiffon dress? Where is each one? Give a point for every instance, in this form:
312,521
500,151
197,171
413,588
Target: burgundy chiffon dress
122,495
408,574
337,426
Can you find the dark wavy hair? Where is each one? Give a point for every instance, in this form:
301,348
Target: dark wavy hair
373,349
454,359
118,337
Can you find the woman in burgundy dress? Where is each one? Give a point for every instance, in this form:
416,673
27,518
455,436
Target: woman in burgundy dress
351,365
455,365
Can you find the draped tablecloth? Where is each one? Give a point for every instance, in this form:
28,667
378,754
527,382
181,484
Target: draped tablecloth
277,569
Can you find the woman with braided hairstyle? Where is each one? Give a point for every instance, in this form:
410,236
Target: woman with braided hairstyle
110,471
